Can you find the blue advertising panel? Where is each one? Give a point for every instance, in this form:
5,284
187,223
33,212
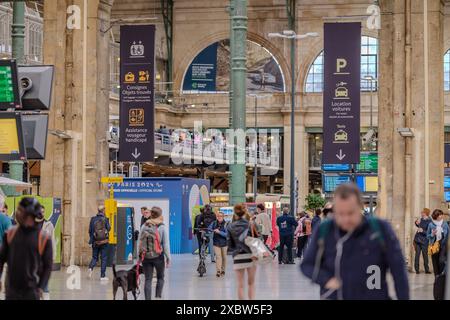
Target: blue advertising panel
128,253
180,195
201,74
331,182
341,96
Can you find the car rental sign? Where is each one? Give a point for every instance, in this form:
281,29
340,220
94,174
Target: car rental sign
341,98
137,74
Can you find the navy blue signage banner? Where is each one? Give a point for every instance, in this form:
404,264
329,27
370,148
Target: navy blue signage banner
137,79
341,97
201,75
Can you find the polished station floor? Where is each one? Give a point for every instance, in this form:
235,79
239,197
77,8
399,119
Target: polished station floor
273,282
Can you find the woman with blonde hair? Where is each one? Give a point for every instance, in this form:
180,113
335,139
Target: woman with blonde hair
243,261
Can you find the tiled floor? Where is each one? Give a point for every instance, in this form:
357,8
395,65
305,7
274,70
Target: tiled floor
182,283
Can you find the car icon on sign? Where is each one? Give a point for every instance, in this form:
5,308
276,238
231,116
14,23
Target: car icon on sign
341,92
340,136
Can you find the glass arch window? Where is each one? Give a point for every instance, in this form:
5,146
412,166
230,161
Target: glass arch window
369,67
447,71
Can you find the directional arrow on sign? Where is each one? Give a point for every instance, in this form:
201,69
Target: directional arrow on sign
136,154
340,156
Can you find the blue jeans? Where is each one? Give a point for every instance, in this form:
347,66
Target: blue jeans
102,251
211,246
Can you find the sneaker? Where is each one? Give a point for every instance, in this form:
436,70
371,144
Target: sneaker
222,273
104,279
45,296
428,272
90,273
218,274
279,262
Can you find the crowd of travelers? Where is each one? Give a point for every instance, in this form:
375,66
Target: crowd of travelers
345,251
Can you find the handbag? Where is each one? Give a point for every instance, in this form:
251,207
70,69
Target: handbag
258,248
433,248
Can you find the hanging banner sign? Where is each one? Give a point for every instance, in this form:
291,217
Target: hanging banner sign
201,75
137,80
341,97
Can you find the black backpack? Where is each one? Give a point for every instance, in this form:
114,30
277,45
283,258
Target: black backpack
100,231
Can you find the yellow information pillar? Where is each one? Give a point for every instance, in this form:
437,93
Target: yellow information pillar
111,207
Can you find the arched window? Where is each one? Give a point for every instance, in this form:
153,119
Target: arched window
369,67
209,72
447,71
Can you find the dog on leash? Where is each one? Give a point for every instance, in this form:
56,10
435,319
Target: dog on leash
127,280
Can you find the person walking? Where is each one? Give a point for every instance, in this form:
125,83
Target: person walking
316,219
421,240
219,230
206,218
437,234
350,254
99,228
46,226
28,253
302,233
5,222
145,215
262,219
154,250
243,261
286,225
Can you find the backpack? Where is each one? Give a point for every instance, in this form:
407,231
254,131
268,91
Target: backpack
324,229
42,238
150,243
100,231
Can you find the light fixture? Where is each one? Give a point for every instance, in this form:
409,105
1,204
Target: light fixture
406,132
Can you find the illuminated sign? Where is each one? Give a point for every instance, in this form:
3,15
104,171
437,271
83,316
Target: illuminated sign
11,137
331,182
368,162
9,91
367,183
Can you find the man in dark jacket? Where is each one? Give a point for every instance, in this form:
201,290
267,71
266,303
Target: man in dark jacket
421,240
316,219
350,254
206,218
28,253
286,225
99,228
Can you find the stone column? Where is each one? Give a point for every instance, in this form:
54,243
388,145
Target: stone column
62,171
411,95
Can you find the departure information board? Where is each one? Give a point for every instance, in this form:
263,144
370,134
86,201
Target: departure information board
9,91
368,162
11,137
331,182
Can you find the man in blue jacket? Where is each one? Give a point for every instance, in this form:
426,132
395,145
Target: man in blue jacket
286,225
350,254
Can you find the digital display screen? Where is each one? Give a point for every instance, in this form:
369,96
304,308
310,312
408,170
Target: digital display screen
6,85
336,167
447,196
367,183
9,86
447,182
368,162
11,137
331,182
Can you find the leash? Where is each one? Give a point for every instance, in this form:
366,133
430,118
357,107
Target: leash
138,279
